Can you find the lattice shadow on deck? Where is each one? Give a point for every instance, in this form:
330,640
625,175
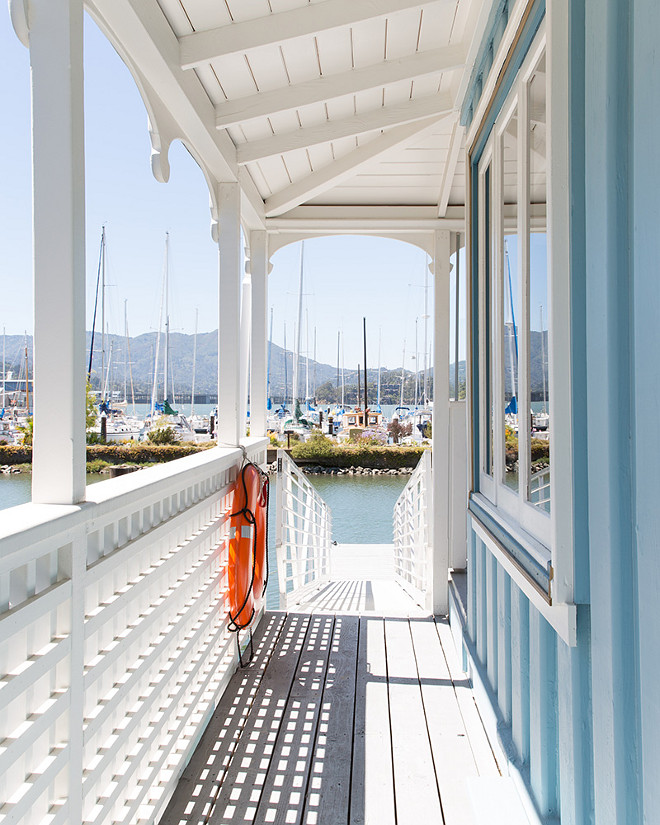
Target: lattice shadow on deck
343,719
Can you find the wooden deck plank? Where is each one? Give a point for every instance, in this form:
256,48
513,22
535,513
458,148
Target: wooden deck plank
329,785
198,786
416,790
453,757
481,748
283,796
345,719
372,778
241,788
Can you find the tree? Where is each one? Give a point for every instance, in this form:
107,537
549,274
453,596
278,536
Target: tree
90,407
398,430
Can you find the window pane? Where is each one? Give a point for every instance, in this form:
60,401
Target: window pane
538,414
488,325
457,323
511,299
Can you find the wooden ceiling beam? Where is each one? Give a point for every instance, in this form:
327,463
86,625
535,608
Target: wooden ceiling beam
322,89
453,154
238,38
382,118
344,168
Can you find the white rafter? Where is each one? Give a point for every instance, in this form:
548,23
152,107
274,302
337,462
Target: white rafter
346,83
450,166
149,46
344,168
330,130
238,38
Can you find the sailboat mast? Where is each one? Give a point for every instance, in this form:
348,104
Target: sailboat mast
416,365
166,363
296,355
125,349
403,367
4,365
192,391
103,262
314,383
154,389
342,370
380,331
338,342
366,402
270,347
426,334
542,357
130,365
286,371
307,356
27,378
96,303
106,387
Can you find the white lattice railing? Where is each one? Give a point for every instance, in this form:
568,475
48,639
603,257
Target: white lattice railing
412,532
113,642
539,488
304,533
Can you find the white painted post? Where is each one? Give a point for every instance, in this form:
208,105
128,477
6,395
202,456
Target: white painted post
58,160
246,312
441,425
229,248
259,273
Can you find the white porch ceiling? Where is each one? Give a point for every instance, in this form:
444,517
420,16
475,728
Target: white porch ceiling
326,102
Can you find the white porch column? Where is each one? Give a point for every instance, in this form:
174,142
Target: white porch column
229,248
258,389
246,312
58,159
441,423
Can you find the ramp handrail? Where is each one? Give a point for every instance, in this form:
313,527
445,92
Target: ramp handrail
304,533
412,532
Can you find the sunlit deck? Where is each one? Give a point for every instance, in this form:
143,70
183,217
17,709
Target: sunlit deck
346,719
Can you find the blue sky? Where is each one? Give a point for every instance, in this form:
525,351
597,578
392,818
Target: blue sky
345,277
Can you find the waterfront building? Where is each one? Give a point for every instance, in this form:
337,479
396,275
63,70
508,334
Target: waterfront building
524,130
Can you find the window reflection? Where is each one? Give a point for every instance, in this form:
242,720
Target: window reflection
511,300
538,403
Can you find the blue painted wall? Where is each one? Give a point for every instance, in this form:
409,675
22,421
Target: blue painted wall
583,723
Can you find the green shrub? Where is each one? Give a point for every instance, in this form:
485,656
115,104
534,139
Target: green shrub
326,453
162,435
13,454
96,465
540,450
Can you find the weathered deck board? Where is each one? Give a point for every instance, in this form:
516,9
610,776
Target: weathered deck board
329,786
198,786
416,790
454,761
372,779
283,796
345,719
241,789
481,747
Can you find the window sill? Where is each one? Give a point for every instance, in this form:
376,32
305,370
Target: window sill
527,563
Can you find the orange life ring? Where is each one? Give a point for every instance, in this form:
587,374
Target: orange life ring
247,562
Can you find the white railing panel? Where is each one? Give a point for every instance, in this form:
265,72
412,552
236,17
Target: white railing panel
114,648
304,533
413,550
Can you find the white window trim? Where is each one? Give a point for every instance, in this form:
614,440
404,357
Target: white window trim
553,36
